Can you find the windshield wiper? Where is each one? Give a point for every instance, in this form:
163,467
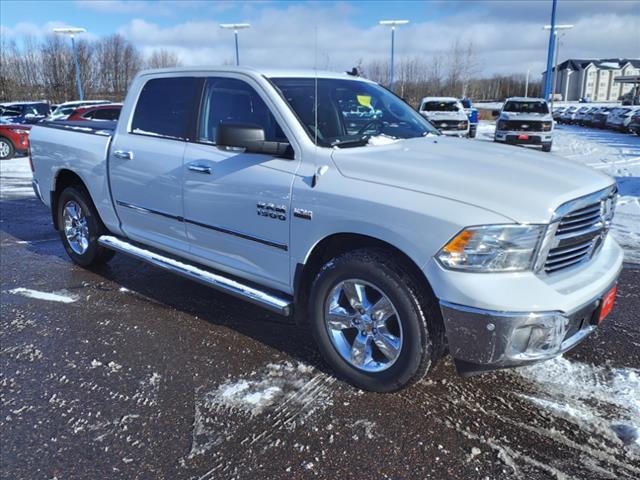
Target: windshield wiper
352,142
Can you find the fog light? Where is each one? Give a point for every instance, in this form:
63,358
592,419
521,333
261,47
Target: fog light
540,339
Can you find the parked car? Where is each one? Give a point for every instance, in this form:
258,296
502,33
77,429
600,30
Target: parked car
14,139
568,115
525,121
578,114
446,114
588,118
634,124
557,111
620,118
65,109
394,242
581,115
472,115
24,112
108,111
600,117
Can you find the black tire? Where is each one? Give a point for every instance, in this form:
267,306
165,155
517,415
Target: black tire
546,147
417,311
94,254
7,150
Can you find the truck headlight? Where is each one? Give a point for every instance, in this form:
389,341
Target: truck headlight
546,126
502,125
493,248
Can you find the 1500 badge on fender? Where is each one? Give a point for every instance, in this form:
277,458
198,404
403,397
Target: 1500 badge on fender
272,211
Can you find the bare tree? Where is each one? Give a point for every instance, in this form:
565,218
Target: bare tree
163,59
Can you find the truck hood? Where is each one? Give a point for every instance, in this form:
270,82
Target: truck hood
539,117
523,185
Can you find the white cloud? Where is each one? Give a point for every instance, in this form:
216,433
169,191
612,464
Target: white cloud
285,37
29,29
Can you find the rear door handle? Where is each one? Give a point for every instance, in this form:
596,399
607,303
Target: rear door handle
123,154
200,168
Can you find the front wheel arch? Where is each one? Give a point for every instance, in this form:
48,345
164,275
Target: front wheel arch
339,243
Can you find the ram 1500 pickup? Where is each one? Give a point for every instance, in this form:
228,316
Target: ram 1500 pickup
525,121
394,243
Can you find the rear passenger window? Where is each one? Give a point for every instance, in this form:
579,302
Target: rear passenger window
234,101
164,107
107,114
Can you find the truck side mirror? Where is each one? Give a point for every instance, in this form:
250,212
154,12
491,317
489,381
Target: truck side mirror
495,113
251,137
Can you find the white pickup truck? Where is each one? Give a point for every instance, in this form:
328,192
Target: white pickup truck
446,114
393,242
525,121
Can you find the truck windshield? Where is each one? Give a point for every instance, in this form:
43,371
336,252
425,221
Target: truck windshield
526,107
440,107
349,112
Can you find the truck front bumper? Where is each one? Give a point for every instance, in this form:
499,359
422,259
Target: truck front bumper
506,320
482,340
523,138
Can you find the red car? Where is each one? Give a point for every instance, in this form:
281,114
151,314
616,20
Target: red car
14,139
109,111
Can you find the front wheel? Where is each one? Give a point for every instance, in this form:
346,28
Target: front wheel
373,324
7,149
80,227
546,147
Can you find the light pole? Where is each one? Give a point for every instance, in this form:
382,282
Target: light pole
235,27
72,31
557,56
393,24
552,38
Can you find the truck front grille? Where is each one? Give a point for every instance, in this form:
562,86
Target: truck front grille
580,230
521,125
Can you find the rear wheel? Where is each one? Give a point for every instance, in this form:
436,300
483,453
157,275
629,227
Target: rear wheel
7,149
373,325
80,227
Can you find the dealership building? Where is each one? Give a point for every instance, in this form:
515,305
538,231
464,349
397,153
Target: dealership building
594,79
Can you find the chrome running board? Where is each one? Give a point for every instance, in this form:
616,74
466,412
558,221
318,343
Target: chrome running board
200,275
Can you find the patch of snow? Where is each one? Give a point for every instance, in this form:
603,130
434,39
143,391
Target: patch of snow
15,178
595,397
62,296
381,140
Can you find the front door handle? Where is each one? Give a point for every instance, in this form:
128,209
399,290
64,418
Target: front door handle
200,168
123,155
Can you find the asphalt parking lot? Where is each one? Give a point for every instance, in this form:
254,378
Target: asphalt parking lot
129,372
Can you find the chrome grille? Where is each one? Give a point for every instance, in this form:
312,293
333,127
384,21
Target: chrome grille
579,229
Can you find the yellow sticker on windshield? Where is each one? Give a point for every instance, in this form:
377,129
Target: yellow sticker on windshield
364,100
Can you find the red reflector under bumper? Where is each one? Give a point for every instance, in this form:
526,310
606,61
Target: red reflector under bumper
607,303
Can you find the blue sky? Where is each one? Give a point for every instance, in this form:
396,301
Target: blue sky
507,36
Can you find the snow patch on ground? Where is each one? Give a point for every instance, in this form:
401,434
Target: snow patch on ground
62,296
595,397
279,382
15,179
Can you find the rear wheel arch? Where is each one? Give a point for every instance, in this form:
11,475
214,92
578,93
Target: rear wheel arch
67,178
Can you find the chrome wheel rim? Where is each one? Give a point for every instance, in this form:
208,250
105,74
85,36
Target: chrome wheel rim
4,149
363,325
75,227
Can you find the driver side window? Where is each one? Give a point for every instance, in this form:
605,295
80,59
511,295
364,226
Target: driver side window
234,101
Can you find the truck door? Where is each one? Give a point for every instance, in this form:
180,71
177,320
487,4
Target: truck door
237,204
146,161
